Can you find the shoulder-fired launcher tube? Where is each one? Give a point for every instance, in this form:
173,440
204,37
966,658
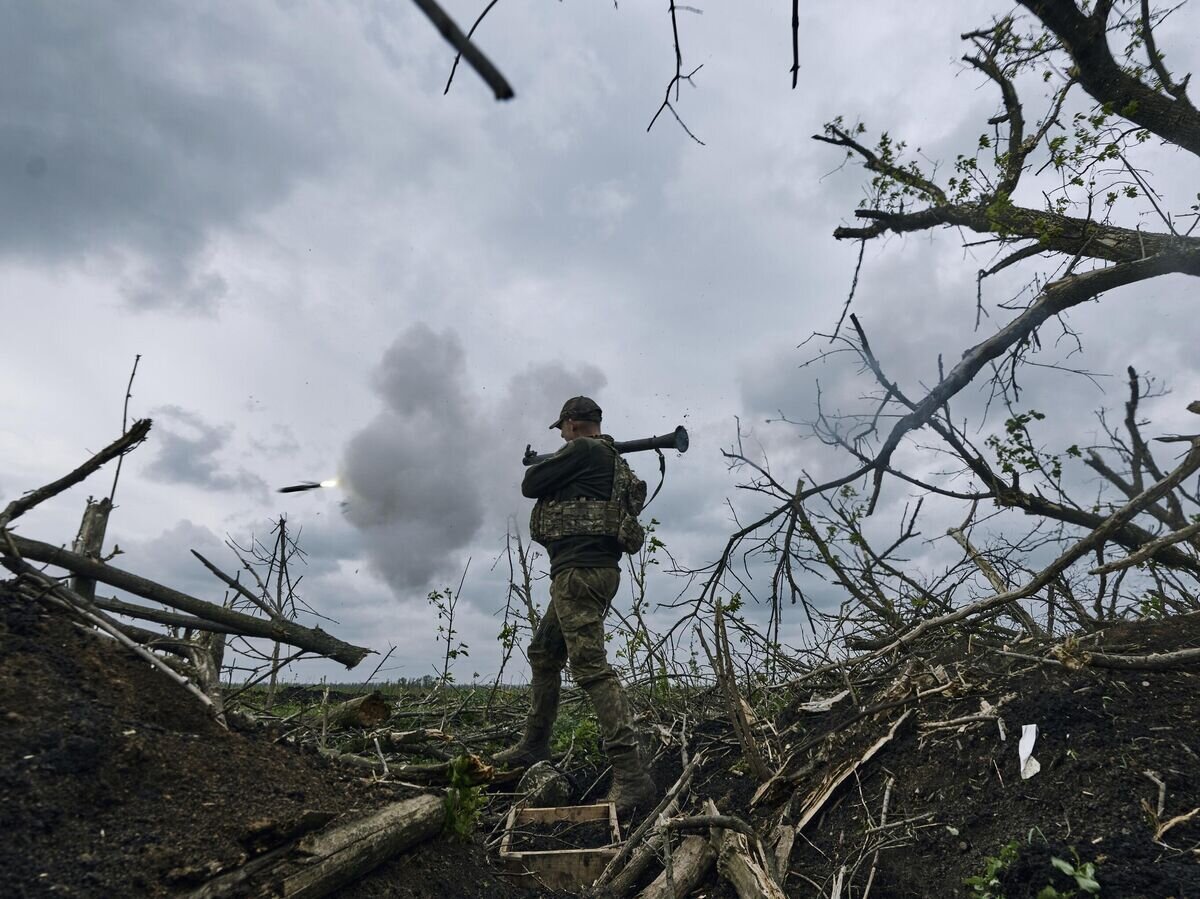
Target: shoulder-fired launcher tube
676,440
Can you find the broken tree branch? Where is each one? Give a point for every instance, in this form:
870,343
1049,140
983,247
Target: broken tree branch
690,864
1149,549
239,588
144,613
118,447
319,864
312,639
466,49
1155,661
1097,537
997,582
750,875
617,863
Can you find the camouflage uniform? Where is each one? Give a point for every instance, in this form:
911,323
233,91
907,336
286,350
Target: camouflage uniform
572,631
584,576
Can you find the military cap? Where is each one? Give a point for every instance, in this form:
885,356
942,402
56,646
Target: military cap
578,408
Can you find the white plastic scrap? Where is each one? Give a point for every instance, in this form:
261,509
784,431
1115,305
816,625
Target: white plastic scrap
822,705
1029,765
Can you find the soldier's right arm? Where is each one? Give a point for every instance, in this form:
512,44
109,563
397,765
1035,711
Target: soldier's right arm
548,477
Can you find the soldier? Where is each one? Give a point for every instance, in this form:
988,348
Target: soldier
581,540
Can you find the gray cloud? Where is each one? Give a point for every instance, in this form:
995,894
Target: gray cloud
167,558
188,451
131,132
535,394
280,440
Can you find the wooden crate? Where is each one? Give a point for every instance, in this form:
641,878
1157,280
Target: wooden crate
559,869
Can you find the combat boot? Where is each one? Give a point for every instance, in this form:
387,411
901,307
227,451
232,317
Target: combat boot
539,724
632,788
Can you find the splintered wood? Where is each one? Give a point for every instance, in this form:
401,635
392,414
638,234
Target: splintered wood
834,778
747,870
691,862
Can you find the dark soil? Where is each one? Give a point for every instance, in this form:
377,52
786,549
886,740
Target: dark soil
553,836
441,868
964,800
115,782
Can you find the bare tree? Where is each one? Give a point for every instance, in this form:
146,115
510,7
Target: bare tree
1059,195
274,594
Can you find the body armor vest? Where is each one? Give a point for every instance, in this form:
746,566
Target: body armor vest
613,517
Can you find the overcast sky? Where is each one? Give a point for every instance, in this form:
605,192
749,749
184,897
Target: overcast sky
330,268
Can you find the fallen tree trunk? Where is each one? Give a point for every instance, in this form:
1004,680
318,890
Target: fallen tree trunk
1155,661
475,774
690,864
321,863
410,741
375,765
160,616
343,854
750,878
367,710
283,630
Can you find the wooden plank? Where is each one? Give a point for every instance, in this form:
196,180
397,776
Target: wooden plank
576,814
559,869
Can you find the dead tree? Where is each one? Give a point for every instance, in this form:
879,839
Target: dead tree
274,592
1059,196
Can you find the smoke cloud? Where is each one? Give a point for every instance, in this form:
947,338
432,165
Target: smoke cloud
410,474
440,463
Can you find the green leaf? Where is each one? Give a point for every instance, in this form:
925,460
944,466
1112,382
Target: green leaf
1064,866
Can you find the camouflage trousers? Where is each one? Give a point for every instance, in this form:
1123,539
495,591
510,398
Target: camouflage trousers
572,632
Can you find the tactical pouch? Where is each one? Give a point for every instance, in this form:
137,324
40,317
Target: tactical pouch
554,519
629,492
630,534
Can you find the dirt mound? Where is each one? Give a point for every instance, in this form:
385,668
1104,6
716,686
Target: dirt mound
114,782
959,808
